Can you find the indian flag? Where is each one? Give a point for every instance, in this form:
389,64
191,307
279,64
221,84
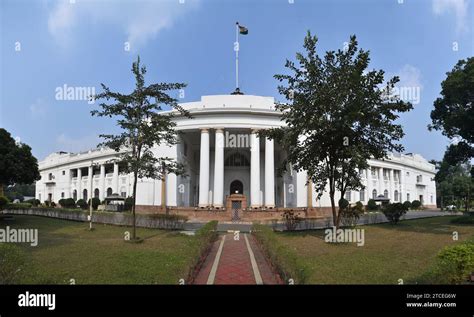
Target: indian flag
243,30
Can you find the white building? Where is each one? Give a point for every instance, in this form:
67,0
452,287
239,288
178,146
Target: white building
224,155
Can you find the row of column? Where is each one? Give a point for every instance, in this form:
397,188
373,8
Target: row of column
391,186
90,179
218,197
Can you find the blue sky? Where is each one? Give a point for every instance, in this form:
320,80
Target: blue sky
48,44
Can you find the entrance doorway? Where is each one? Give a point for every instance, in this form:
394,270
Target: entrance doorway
236,187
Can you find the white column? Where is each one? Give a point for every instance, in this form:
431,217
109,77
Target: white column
219,169
171,185
380,191
79,184
402,186
102,193
270,174
115,179
368,188
254,170
204,170
391,185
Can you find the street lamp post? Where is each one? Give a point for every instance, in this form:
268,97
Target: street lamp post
91,195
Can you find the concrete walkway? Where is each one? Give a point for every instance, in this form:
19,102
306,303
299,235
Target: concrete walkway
236,259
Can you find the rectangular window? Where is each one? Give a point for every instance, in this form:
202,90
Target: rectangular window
408,197
64,172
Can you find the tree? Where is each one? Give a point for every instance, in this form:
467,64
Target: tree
338,119
17,164
144,125
453,112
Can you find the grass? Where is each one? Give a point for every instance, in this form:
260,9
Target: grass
68,250
404,251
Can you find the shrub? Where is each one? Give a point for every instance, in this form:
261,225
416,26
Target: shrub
291,219
53,204
12,262
95,203
286,262
456,263
350,216
47,203
34,202
82,204
3,202
416,204
343,203
128,203
407,205
393,212
67,203
372,205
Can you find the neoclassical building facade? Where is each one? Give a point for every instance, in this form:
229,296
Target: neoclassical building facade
227,166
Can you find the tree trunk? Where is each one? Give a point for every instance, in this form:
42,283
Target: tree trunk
135,180
333,207
1,190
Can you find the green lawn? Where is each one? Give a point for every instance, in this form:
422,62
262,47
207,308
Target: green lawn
67,250
390,253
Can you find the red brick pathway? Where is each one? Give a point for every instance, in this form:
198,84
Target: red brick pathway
234,266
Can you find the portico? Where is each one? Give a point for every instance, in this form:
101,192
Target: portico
237,158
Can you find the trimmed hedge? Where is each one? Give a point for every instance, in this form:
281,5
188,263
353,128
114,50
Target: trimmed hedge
463,220
204,239
33,202
159,221
416,204
18,206
407,205
286,262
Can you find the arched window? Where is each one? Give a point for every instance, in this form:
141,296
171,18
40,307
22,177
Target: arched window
395,195
109,192
96,193
74,195
374,194
237,159
84,194
362,195
348,195
385,193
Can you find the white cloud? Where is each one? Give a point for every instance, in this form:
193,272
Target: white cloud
79,144
38,108
410,76
140,21
458,7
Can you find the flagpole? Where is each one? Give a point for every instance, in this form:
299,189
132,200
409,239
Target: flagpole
237,55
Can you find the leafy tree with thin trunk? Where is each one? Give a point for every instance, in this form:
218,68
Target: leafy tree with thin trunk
145,126
17,164
453,112
340,115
